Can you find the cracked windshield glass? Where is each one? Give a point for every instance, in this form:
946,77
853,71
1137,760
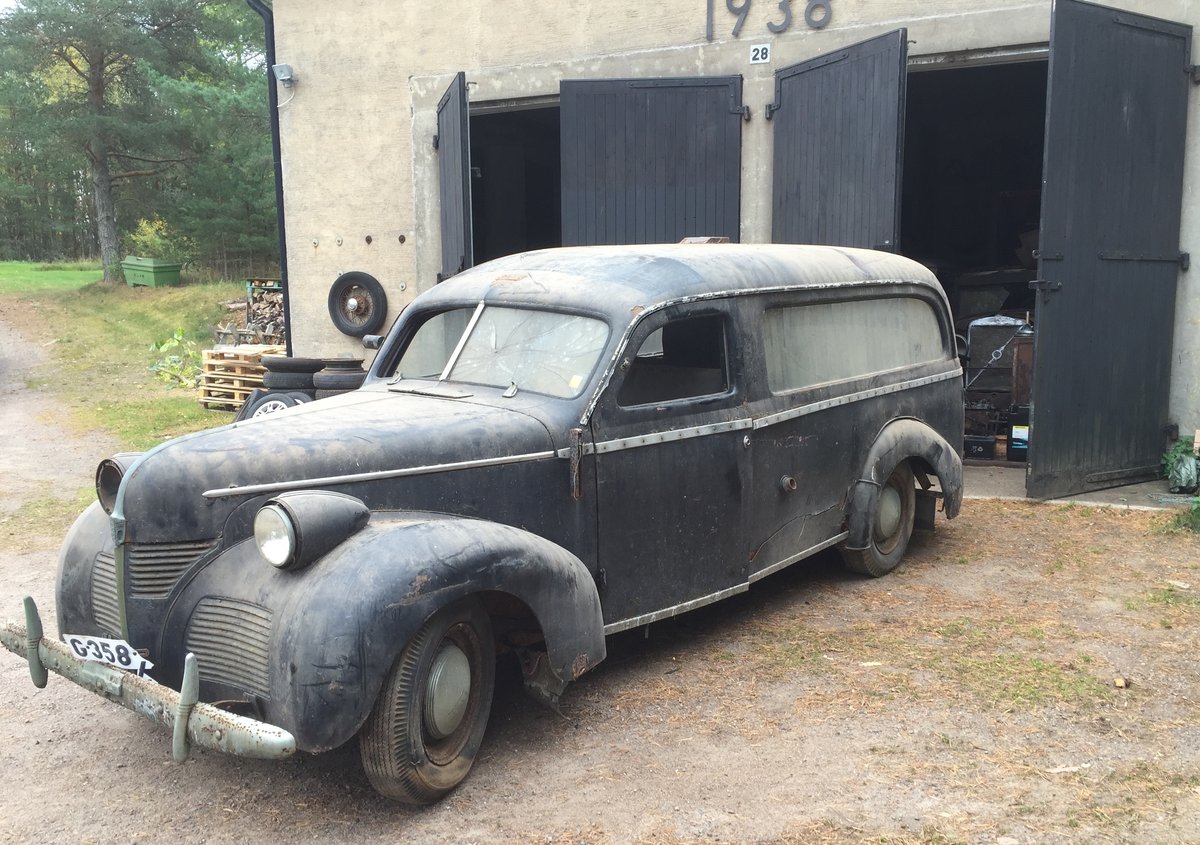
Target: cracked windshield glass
538,351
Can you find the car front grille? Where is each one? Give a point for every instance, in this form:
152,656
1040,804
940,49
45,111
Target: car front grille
106,608
231,641
153,569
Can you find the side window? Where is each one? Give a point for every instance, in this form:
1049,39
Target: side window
684,358
814,344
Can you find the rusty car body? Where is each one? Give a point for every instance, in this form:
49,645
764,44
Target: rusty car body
549,448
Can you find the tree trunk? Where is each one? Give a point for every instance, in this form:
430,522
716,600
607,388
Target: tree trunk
102,190
106,214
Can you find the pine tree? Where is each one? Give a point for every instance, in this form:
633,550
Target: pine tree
91,63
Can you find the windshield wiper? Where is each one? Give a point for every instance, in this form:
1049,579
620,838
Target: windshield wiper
430,390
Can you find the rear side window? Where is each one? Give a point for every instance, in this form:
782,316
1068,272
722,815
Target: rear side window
813,344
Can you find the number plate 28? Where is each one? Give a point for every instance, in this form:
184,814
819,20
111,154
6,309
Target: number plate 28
113,652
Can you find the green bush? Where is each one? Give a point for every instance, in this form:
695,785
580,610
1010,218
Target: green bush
180,364
158,239
1179,449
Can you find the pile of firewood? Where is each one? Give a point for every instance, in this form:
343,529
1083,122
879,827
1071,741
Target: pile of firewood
258,319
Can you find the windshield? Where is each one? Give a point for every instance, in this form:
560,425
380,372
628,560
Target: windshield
540,351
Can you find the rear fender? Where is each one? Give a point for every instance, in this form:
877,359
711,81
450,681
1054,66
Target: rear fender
900,440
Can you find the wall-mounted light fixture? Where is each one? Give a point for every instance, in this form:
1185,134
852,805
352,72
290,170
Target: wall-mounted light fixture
284,74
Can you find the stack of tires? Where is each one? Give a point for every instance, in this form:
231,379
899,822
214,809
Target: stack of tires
337,376
292,381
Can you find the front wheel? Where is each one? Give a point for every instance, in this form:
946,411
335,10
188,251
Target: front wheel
422,737
891,526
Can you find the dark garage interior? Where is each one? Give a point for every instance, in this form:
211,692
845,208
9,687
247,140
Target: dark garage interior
515,181
971,204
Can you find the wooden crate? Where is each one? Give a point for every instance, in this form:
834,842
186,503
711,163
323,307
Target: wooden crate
231,373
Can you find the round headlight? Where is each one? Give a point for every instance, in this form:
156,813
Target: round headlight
275,535
108,478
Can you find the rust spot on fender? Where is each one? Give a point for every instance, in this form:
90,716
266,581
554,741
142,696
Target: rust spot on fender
581,665
418,584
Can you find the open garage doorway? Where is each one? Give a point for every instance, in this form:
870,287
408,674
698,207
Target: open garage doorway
516,181
971,207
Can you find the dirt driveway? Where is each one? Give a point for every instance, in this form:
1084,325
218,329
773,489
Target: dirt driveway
968,697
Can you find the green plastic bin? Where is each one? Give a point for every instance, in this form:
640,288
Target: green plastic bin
151,272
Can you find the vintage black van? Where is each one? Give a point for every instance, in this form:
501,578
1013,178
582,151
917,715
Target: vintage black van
549,448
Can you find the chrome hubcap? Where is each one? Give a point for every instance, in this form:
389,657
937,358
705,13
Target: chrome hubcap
890,507
269,408
448,691
352,305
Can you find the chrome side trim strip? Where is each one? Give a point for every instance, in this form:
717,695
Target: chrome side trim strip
664,437
666,613
761,422
804,410
788,561
334,480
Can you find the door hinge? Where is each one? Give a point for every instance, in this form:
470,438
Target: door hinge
1045,285
435,142
1183,259
576,436
1194,72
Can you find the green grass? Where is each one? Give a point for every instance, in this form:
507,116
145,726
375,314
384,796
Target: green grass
28,276
100,336
1171,597
43,519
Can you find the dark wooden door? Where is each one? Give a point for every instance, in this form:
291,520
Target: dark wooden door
453,143
839,131
1109,248
651,160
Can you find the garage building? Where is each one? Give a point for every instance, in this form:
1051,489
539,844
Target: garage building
1036,155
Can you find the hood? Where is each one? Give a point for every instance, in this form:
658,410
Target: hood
161,497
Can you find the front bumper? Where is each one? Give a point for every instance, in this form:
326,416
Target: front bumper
193,724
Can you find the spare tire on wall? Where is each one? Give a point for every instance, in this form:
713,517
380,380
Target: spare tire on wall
357,304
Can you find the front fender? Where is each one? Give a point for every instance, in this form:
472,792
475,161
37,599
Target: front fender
339,625
90,538
900,440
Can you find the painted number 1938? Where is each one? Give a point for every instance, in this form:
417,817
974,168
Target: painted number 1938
817,14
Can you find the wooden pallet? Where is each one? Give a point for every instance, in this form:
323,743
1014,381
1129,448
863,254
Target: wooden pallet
231,373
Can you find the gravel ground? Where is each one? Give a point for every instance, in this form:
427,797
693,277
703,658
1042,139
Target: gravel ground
968,697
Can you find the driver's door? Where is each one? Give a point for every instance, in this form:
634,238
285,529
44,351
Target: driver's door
672,468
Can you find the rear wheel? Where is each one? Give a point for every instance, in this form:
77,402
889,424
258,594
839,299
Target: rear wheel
891,526
429,720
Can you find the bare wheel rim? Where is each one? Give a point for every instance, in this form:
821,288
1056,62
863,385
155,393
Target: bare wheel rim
357,305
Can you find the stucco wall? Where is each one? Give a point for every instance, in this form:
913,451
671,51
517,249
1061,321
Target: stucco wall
358,159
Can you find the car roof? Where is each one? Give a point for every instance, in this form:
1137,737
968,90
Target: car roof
613,279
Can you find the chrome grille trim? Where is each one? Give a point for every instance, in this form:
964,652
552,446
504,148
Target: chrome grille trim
153,569
231,640
106,607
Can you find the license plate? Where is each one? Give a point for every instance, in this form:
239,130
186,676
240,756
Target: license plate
113,652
